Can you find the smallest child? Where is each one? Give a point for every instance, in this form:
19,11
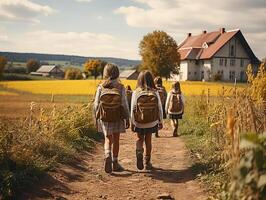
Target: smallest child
174,106
129,95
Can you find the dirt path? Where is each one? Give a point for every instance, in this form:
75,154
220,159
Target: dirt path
88,181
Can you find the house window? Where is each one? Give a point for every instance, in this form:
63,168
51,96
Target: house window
232,75
197,62
195,73
232,62
189,73
221,61
232,50
225,62
242,63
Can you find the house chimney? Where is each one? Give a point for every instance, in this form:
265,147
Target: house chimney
189,34
204,32
222,30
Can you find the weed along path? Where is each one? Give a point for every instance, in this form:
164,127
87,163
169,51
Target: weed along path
172,177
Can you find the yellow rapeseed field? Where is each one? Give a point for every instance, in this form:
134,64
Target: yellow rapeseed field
86,87
6,93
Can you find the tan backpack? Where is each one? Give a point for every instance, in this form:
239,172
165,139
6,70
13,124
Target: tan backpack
146,110
175,104
110,107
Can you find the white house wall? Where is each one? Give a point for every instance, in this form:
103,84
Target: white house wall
240,56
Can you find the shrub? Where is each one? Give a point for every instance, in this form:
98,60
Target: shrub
73,73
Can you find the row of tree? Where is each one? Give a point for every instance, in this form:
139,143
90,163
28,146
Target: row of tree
157,49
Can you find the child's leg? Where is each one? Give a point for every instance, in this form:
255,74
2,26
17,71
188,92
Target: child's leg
139,143
116,137
173,123
107,151
148,143
108,144
176,126
139,151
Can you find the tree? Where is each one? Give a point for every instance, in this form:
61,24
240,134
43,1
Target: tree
159,54
94,67
32,65
3,62
73,73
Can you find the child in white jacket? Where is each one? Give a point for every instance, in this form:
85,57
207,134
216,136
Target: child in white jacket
174,106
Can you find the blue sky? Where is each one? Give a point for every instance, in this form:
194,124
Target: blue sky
115,27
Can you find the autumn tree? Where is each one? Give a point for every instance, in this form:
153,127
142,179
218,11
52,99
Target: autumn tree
3,62
159,54
73,73
94,67
32,65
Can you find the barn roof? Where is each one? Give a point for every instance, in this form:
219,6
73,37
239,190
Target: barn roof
127,73
46,68
206,45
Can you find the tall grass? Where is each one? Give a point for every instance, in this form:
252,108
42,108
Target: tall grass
46,137
228,139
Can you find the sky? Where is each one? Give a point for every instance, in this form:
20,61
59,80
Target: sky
114,28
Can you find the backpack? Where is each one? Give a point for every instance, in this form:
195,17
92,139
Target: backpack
162,94
146,110
176,104
110,107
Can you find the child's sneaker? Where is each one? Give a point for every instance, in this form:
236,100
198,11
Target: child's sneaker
148,166
108,163
117,167
139,155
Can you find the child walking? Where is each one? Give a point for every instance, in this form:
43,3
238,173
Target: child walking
175,106
146,116
129,95
112,115
163,95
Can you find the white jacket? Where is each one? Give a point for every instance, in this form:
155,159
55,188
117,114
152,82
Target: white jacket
169,96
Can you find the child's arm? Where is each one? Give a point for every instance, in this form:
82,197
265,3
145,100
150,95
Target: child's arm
97,98
160,107
133,104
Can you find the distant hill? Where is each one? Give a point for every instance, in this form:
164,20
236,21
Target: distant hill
67,59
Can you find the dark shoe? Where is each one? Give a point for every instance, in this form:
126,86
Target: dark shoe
175,133
148,166
108,164
117,167
157,134
139,155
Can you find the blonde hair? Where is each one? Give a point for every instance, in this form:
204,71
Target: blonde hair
110,72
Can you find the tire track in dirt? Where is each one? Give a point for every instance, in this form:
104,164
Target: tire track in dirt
87,180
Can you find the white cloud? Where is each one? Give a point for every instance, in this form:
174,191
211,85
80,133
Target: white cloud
73,43
83,0
23,10
181,16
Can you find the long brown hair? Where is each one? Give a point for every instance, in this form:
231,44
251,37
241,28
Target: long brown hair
110,72
158,81
145,80
176,87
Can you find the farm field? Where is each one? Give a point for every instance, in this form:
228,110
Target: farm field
88,87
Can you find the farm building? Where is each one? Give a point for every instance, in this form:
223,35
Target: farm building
223,55
49,70
129,74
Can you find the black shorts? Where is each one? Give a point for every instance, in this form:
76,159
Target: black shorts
175,116
144,131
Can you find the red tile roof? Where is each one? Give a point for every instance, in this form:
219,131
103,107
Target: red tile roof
193,47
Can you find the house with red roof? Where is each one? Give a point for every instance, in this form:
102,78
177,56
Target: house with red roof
223,54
